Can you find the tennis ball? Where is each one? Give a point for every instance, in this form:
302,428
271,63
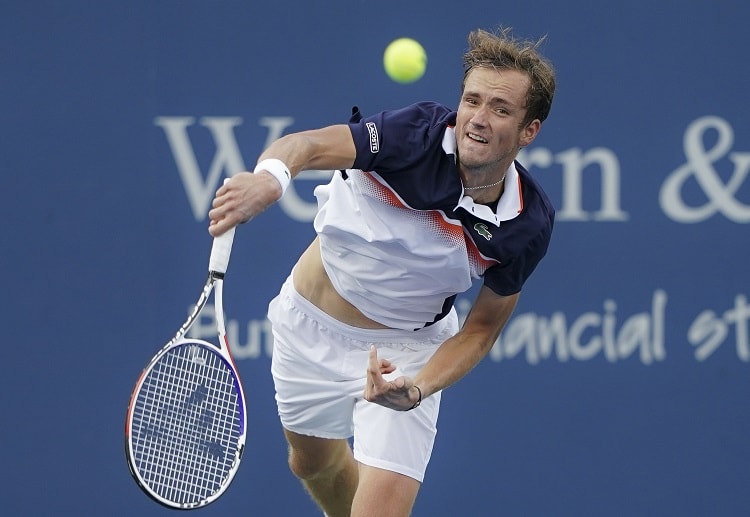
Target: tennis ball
405,60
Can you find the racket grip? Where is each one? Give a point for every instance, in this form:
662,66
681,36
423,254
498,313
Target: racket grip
220,251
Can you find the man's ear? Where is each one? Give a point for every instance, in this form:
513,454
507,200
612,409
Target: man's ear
528,134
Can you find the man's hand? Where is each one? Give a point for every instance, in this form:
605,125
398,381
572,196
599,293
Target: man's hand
399,394
240,199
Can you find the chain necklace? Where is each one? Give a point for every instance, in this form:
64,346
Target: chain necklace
487,186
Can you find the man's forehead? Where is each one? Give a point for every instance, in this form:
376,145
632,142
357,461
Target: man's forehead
507,85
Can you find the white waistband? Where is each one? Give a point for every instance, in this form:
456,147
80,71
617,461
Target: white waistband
374,336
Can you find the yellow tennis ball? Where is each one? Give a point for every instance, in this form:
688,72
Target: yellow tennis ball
405,60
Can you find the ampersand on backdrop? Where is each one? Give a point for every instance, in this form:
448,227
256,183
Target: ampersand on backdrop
721,197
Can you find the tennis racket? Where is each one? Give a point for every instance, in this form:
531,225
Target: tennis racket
185,427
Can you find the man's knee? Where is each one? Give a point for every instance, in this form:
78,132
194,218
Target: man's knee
311,457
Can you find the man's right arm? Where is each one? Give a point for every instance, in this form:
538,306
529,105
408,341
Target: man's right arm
247,194
329,148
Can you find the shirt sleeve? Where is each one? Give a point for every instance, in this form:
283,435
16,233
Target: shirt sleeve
509,277
394,140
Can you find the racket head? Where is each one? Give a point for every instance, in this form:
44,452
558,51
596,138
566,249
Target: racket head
186,424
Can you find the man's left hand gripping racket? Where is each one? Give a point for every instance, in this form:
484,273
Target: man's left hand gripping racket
185,428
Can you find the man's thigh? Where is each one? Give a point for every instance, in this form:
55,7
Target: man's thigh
383,493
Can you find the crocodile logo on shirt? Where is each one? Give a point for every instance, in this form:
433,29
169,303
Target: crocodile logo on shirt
482,230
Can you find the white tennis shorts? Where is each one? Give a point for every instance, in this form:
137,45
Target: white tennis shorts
319,370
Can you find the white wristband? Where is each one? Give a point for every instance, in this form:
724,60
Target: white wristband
278,170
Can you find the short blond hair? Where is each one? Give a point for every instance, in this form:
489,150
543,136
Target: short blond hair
501,51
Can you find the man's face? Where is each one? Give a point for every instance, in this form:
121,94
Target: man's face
488,124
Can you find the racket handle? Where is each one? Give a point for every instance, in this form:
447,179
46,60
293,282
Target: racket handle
220,251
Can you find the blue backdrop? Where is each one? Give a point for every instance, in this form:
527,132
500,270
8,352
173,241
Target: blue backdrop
619,388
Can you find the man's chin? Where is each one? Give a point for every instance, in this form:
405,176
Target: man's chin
472,162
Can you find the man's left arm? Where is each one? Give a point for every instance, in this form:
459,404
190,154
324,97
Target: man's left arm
461,353
455,358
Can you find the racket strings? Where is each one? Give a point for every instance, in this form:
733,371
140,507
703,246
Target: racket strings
186,425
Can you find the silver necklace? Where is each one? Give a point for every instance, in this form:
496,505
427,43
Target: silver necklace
487,186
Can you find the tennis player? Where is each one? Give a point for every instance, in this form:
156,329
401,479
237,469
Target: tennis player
424,200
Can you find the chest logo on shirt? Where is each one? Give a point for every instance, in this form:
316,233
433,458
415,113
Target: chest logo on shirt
483,230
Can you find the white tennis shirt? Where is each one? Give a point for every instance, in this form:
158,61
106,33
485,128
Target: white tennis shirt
399,238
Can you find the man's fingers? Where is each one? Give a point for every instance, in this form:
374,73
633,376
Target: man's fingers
373,365
380,365
386,366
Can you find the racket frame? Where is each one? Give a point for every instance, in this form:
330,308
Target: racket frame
217,267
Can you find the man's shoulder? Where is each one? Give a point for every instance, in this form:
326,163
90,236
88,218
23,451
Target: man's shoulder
424,116
533,190
435,111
